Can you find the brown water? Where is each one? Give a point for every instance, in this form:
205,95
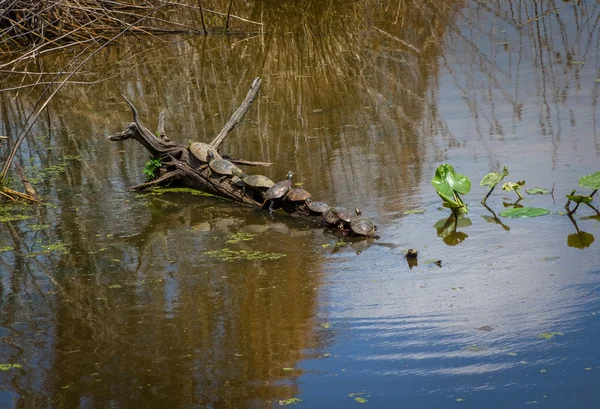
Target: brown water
109,298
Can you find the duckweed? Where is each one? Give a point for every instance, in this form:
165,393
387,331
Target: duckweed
290,401
55,247
6,248
239,237
475,348
549,335
6,367
236,255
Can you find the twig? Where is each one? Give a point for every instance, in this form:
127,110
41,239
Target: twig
26,184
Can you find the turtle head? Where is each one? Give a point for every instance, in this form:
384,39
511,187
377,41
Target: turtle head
289,175
239,173
210,156
358,211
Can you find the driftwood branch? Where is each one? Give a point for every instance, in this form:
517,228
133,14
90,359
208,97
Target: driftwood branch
238,114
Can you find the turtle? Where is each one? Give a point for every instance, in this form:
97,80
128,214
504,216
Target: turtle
222,167
200,151
330,216
277,191
257,181
237,181
316,207
342,213
297,195
361,225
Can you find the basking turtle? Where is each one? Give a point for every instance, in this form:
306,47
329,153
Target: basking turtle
331,217
222,167
316,207
361,225
200,151
342,213
257,181
297,195
277,191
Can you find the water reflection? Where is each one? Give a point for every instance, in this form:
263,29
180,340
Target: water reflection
580,239
447,229
111,299
493,218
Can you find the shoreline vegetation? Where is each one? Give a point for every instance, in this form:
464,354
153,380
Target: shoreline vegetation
31,32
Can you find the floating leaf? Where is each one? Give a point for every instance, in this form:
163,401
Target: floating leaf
448,184
413,211
537,191
523,212
590,181
492,179
580,199
360,400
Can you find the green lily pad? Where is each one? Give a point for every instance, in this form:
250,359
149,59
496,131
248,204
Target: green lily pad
580,199
537,191
492,179
590,181
448,184
413,211
523,212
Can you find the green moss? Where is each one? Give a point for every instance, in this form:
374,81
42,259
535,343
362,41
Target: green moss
157,191
236,255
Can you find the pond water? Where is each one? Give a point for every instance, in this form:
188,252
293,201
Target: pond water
113,298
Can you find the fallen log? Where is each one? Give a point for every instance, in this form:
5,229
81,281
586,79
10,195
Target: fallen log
179,166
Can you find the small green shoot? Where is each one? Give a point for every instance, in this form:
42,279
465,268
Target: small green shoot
449,185
491,180
151,168
508,186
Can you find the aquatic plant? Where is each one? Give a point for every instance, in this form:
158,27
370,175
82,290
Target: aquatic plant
151,168
491,180
508,186
449,185
591,181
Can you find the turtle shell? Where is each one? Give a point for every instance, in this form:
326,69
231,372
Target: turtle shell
200,151
258,181
362,226
278,190
223,167
297,195
342,213
317,207
330,217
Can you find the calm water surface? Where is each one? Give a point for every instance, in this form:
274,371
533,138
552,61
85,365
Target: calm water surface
112,298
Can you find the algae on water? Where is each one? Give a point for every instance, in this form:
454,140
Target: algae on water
236,255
